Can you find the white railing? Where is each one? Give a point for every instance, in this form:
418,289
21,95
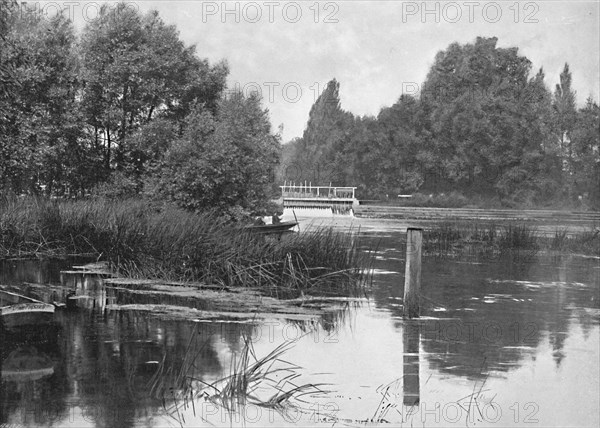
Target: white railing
307,190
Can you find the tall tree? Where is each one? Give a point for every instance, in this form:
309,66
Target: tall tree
565,112
134,69
476,96
8,78
225,160
9,85
585,147
40,119
566,115
393,149
324,137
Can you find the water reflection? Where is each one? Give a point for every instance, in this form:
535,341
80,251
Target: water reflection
484,324
34,271
32,375
495,313
106,362
411,337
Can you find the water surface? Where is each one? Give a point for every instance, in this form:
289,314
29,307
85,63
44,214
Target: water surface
500,343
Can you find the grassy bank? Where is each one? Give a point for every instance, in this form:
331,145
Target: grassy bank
145,241
490,240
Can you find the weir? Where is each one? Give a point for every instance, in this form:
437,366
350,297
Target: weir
319,201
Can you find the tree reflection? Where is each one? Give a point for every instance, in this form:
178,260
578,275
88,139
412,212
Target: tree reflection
497,312
33,385
105,363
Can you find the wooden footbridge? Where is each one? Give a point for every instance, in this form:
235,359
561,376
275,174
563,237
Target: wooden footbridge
324,200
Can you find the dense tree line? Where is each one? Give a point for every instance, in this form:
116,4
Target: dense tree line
483,125
125,108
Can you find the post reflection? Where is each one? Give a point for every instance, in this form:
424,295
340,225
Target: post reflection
411,338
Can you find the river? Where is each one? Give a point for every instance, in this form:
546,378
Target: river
500,343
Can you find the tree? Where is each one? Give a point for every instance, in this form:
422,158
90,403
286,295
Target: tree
40,124
225,160
566,116
399,168
480,101
9,84
585,149
135,69
323,139
8,78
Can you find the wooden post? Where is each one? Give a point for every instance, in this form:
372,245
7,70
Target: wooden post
412,273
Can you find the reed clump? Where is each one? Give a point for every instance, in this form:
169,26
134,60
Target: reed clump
269,382
490,240
144,240
586,241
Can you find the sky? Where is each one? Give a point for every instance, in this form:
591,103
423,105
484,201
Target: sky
376,50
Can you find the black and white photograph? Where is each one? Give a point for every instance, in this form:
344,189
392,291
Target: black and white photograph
307,213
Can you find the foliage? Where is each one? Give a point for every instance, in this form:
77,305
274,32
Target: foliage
482,126
585,154
125,107
41,126
224,161
151,240
135,68
77,108
316,155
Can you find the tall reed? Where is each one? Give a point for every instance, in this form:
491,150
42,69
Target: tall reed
145,240
267,382
518,240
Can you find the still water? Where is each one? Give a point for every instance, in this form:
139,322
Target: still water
503,343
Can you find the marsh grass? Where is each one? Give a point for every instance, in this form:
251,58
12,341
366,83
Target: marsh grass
519,241
586,242
267,382
142,240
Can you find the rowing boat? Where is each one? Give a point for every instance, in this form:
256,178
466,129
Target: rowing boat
18,310
275,228
26,364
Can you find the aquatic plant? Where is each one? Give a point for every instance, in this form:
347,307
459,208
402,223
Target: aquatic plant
517,240
560,239
144,240
586,241
268,382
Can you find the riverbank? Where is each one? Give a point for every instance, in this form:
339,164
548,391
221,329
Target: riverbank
480,236
143,240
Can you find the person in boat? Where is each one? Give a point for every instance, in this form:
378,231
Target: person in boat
276,219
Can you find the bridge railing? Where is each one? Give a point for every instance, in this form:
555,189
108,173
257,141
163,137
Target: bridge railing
317,192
